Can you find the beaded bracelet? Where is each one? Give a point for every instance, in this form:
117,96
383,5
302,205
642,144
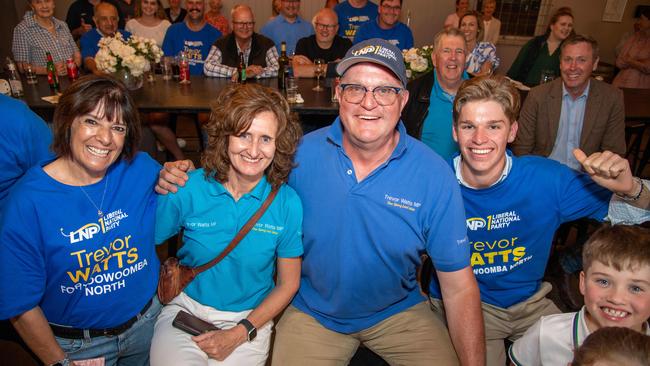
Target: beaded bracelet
633,198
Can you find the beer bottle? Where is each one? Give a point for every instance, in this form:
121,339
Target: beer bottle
283,63
241,69
52,77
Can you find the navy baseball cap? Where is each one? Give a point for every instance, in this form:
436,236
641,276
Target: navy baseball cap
377,51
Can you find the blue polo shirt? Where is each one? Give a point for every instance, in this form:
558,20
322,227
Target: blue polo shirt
363,240
279,29
438,124
211,218
399,35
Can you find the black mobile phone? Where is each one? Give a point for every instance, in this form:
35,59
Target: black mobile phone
191,324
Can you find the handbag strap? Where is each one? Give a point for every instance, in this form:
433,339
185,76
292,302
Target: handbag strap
240,235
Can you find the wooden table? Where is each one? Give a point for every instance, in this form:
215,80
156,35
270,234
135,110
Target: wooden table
171,96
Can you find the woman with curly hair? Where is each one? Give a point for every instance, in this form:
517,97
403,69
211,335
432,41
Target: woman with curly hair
252,138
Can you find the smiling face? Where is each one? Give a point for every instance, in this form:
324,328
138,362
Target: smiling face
369,124
462,6
326,26
290,8
195,10
449,60
488,9
482,132
616,298
389,12
106,18
149,7
576,65
42,8
562,28
252,151
95,143
243,23
469,27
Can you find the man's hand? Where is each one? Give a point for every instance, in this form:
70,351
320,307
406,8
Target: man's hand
253,70
173,174
301,59
609,170
219,344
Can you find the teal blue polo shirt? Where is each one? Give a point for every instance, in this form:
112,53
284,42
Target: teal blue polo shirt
211,218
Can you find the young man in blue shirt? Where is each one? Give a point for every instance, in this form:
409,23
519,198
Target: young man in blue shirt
514,204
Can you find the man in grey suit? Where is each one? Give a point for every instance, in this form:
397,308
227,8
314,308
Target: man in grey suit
575,111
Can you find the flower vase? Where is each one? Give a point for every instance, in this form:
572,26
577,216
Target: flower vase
130,81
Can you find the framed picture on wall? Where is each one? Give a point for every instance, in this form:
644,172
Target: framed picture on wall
614,10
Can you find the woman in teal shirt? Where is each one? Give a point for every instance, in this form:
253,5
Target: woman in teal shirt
252,141
542,53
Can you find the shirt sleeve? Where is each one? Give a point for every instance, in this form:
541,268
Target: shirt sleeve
409,39
272,64
168,42
20,45
22,264
622,213
87,47
526,350
213,66
290,241
169,215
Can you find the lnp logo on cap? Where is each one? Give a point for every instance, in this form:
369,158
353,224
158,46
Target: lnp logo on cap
377,50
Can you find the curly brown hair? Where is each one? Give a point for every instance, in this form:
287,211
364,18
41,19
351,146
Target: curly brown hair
82,97
232,113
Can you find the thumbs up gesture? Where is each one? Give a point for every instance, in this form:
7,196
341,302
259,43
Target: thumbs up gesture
609,170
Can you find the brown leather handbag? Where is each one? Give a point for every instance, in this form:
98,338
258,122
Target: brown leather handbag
174,276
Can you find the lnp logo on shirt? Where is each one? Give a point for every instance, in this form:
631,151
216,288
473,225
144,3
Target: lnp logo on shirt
493,222
89,230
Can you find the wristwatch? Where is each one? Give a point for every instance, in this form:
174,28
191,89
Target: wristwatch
63,362
250,329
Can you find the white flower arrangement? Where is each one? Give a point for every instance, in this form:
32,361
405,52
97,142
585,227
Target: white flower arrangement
133,55
417,61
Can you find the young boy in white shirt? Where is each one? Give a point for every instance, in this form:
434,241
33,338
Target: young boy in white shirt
615,284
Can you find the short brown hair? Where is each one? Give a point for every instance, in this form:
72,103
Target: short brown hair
495,88
618,246
82,97
233,112
160,13
479,23
620,346
579,38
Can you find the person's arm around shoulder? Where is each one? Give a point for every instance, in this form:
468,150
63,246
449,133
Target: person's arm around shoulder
173,175
525,140
614,137
461,297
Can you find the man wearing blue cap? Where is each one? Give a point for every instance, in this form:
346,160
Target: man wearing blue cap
374,200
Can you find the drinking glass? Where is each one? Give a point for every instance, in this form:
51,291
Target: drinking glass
292,89
319,70
30,75
546,76
166,66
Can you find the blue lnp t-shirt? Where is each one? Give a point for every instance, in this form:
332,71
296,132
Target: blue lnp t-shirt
399,35
195,44
351,18
211,218
89,42
280,30
511,224
25,140
82,270
363,240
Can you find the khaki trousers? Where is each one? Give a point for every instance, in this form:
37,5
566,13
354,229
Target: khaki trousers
412,337
510,323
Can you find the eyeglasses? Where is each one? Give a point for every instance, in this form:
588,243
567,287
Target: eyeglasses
392,8
326,26
384,95
244,24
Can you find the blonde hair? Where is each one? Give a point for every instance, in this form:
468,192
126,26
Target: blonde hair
618,246
494,88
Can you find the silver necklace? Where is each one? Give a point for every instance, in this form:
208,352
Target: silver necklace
100,213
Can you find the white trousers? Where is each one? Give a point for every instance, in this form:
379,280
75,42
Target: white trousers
174,347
